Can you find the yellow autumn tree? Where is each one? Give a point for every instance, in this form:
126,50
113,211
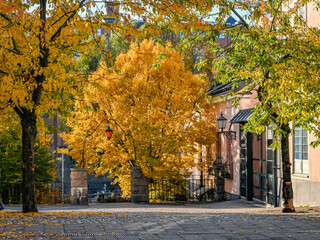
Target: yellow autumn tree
38,45
154,107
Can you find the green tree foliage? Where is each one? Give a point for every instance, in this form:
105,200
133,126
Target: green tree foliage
11,152
277,57
107,52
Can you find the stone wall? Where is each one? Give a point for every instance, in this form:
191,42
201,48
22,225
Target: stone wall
305,192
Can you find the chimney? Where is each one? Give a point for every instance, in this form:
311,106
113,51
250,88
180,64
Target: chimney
112,8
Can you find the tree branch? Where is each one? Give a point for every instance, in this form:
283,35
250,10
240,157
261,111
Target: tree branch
12,50
241,18
5,17
57,33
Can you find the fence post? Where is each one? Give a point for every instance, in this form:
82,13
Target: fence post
1,203
219,182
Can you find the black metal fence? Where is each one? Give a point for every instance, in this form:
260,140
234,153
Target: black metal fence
197,188
47,193
193,189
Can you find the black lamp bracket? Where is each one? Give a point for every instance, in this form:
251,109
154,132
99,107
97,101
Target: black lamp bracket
231,135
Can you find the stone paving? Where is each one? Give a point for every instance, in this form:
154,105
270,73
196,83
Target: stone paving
236,219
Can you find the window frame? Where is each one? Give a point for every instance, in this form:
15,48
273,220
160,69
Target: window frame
300,151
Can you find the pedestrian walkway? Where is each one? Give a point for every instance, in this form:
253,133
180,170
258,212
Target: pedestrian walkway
236,219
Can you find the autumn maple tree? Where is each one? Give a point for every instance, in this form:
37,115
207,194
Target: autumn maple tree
155,108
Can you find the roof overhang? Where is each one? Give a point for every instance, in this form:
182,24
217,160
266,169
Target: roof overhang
242,116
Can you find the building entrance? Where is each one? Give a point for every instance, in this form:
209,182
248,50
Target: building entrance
259,167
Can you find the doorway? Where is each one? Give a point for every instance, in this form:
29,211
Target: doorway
259,167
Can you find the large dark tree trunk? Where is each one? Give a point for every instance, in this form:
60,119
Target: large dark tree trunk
28,119
29,132
287,191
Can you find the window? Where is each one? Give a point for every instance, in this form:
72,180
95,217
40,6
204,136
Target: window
302,12
300,154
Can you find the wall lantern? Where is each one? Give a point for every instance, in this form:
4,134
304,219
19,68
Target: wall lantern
222,123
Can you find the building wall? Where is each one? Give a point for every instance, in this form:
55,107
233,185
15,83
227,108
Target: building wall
312,16
305,192
306,187
232,185
314,163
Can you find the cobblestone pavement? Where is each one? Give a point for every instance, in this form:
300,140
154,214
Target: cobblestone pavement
224,220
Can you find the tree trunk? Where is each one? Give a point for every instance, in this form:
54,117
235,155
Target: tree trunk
28,119
1,203
287,191
29,132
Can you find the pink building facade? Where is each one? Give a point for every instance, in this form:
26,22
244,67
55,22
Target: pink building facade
305,159
255,169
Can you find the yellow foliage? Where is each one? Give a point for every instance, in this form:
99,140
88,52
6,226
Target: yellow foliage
156,110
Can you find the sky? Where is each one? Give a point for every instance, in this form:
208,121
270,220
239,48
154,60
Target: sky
100,6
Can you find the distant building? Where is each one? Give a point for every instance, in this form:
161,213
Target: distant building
96,184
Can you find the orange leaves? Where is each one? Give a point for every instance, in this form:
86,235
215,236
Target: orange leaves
11,7
150,101
174,7
126,17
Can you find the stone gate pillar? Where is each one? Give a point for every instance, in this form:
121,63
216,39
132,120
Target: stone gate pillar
139,186
79,186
